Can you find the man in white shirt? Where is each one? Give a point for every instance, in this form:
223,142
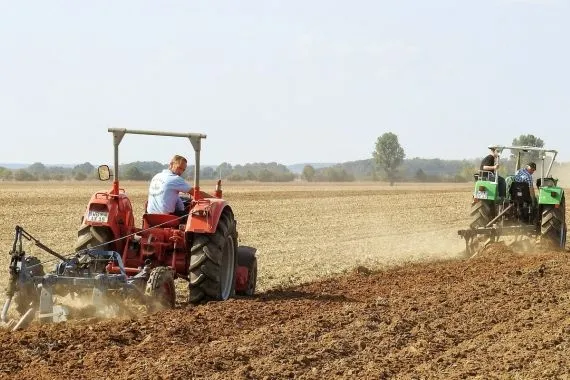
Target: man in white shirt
165,186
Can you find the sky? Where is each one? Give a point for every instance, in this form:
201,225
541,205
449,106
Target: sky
289,81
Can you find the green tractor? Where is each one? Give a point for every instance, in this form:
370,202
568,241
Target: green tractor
517,213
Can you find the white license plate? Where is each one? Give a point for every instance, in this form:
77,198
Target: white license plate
98,216
481,195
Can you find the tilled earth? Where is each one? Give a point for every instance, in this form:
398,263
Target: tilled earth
498,315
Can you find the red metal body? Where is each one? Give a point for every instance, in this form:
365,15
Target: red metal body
241,278
205,214
120,221
163,240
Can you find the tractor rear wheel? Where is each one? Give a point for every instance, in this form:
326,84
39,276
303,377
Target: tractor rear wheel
213,262
246,258
481,213
28,296
160,288
553,224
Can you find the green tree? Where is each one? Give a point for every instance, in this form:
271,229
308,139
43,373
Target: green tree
308,173
265,175
85,168
37,169
58,177
223,170
206,173
421,176
388,155
250,176
468,171
333,174
80,176
528,140
133,173
5,174
24,175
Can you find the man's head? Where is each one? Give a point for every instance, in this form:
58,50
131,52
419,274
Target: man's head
494,150
531,167
178,164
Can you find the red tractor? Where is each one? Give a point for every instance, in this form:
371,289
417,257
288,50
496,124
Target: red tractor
115,260
201,248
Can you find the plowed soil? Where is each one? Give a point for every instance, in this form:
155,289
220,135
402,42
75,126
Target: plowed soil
501,314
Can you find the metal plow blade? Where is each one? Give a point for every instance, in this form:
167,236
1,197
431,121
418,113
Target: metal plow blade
477,239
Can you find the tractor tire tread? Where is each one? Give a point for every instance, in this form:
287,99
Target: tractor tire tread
157,279
206,258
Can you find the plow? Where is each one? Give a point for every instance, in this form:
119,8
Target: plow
528,221
116,264
33,291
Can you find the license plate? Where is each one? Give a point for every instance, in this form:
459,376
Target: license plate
98,216
481,195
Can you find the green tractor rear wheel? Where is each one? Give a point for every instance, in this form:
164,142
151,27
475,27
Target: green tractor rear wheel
553,224
482,212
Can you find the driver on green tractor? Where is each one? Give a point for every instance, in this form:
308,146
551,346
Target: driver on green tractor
524,175
489,167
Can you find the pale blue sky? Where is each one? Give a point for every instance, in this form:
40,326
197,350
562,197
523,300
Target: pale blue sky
287,81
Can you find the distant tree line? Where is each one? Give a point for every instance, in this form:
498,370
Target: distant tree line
388,163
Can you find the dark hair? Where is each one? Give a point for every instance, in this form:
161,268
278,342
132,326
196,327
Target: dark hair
532,165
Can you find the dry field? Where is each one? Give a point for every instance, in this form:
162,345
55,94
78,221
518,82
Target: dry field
302,231
356,281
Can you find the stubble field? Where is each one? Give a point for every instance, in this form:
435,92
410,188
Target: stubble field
355,281
302,232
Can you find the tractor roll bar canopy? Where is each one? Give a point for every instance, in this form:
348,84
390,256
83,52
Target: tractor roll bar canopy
195,139
526,148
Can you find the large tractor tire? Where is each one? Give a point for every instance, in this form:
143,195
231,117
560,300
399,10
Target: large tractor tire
482,212
93,236
213,263
246,258
28,296
553,224
160,289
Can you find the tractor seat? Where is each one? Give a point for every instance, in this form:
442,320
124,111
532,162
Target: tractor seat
520,192
152,220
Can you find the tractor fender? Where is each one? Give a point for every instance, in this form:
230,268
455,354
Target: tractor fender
205,215
119,213
550,195
486,190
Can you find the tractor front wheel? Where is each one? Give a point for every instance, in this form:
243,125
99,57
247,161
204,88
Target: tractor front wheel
213,262
160,288
553,224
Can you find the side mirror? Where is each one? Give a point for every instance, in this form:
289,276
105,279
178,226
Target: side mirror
104,172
